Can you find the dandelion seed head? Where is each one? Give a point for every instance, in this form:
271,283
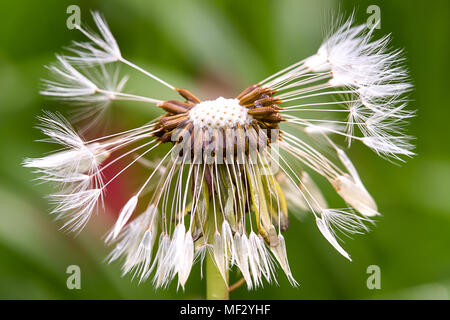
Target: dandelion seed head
234,168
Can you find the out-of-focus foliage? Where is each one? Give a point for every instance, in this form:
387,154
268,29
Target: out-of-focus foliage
217,48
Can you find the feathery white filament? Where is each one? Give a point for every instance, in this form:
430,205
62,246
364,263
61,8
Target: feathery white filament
124,215
103,47
344,222
371,83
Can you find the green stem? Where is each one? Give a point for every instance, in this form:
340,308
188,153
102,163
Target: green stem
216,288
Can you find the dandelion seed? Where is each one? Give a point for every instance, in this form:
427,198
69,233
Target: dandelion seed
235,167
92,91
124,215
333,220
187,260
102,47
219,254
355,195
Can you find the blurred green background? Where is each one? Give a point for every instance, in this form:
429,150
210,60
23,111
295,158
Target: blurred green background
217,48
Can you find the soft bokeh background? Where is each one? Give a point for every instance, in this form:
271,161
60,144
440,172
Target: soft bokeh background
217,48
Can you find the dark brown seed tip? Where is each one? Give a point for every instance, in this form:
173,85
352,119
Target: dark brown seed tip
247,90
188,95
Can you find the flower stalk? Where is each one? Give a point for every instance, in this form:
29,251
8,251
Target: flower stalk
216,287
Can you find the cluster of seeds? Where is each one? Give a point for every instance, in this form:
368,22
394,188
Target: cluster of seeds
219,113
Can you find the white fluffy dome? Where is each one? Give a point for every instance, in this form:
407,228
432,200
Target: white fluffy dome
216,114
